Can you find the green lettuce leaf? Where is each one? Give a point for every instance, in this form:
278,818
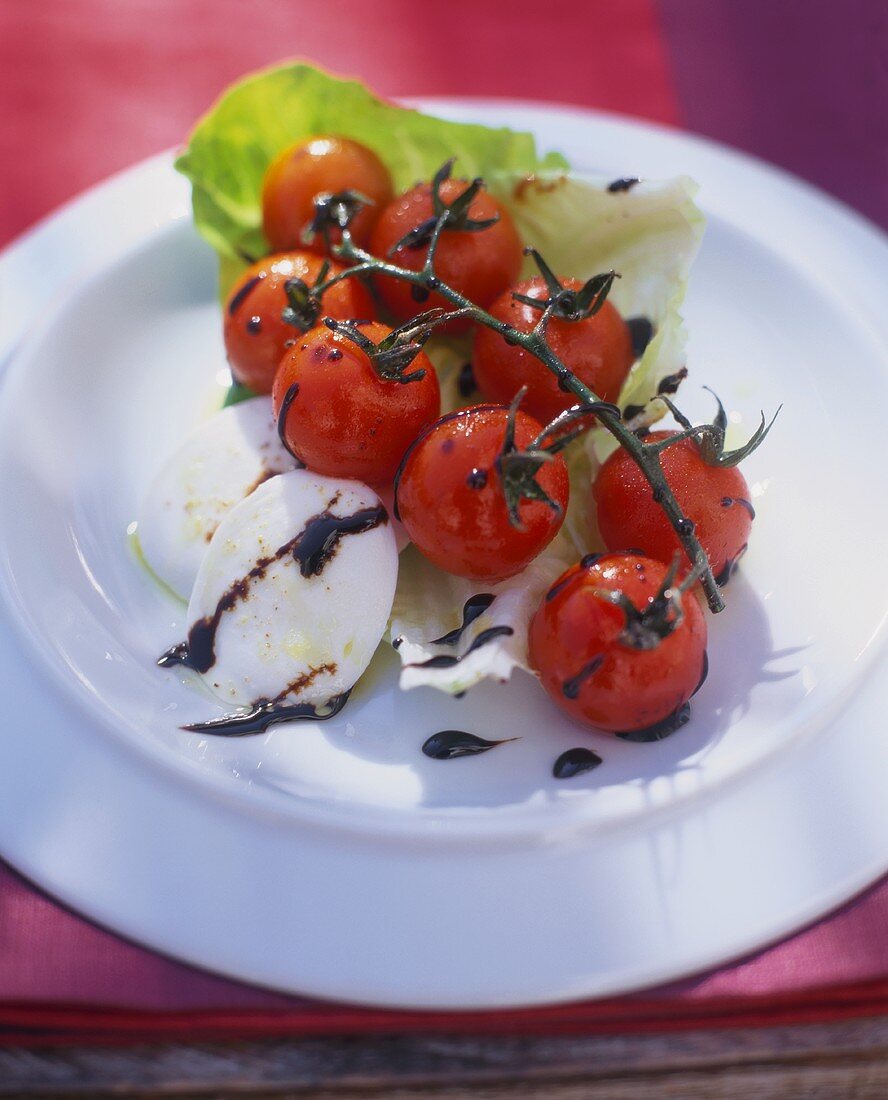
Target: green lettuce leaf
232,145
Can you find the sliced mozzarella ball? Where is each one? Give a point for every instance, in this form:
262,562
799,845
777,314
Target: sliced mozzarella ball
294,593
222,462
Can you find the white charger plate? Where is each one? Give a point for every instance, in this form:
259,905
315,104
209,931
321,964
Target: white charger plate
336,860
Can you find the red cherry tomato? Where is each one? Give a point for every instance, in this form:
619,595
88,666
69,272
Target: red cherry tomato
451,500
344,420
255,335
579,648
714,498
308,169
479,264
597,349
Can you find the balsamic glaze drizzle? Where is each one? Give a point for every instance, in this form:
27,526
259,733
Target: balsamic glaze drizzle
659,730
245,291
575,762
625,184
312,548
631,411
450,744
726,502
477,479
465,382
447,660
254,325
571,687
671,382
564,581
265,713
641,332
472,608
289,397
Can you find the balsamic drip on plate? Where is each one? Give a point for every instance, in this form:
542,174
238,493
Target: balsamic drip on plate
659,730
472,608
314,546
575,762
449,744
265,713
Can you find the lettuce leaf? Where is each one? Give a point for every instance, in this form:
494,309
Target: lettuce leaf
233,144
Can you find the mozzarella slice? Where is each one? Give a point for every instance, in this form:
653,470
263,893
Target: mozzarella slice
222,462
294,593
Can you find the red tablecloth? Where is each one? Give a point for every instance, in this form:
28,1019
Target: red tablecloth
89,86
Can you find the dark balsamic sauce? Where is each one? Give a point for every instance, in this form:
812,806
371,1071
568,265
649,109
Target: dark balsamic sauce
264,714
419,294
314,546
450,744
254,325
726,502
564,581
671,382
625,184
245,291
447,660
465,383
289,397
575,762
472,608
659,730
641,332
477,479
631,411
729,568
571,687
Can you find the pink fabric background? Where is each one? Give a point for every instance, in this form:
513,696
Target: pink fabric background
90,86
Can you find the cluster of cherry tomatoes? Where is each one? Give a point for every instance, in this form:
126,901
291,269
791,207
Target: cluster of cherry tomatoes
617,642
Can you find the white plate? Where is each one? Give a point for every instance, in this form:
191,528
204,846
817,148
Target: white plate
335,859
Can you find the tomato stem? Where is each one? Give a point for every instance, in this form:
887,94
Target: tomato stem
646,456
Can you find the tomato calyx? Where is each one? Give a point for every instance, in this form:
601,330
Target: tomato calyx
453,215
518,469
563,302
645,629
710,437
334,210
303,301
392,356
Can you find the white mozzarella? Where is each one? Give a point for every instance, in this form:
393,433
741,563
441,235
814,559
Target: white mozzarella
223,461
283,635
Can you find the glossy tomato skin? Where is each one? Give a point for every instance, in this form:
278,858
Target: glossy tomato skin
345,420
451,501
323,164
256,337
589,673
716,499
479,265
598,350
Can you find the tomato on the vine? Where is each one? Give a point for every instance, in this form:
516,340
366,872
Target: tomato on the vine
714,498
627,666
321,166
451,494
597,349
343,417
476,256
256,336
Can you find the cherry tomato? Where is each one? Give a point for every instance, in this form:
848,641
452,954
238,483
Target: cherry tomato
321,165
255,335
451,500
579,648
479,264
715,498
344,419
598,349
